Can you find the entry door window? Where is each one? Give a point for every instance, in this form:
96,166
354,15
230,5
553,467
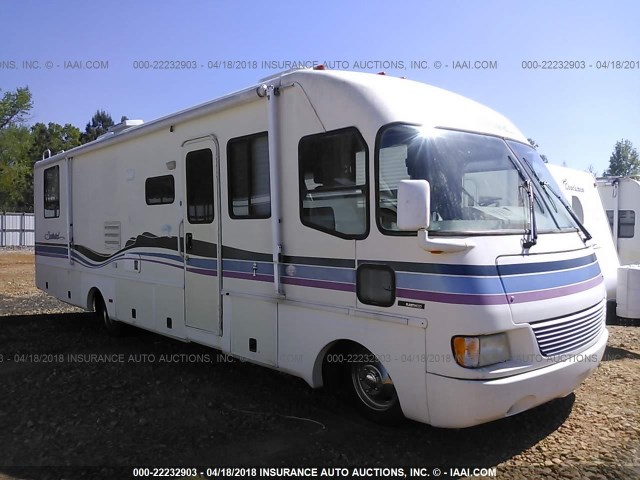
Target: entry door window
199,164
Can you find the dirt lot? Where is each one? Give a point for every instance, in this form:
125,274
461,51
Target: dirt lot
75,403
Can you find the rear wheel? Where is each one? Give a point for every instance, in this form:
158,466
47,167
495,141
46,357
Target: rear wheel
113,327
373,388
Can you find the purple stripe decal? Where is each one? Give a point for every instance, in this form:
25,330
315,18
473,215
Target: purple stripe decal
248,276
558,292
303,282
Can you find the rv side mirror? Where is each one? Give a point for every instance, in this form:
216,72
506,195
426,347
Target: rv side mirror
414,205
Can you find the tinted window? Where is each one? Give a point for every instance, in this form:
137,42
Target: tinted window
376,285
200,186
333,183
248,167
159,190
52,192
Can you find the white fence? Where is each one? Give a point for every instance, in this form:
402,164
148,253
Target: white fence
17,230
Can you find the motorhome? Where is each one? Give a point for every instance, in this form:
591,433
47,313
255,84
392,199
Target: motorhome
581,192
621,200
621,197
336,224
585,194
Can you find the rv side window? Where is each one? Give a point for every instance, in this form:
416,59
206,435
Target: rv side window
159,190
626,222
200,186
576,206
376,285
333,183
248,177
52,192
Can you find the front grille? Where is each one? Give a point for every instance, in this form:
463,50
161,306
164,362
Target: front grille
562,335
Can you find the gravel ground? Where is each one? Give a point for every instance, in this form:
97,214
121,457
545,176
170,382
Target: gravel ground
145,400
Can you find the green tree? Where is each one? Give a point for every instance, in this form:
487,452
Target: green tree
624,161
54,137
15,107
15,167
15,141
533,143
99,125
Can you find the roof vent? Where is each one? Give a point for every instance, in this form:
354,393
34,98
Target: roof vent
119,127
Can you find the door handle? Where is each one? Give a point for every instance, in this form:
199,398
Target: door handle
180,227
188,241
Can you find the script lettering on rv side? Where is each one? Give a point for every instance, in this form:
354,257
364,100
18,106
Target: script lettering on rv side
53,236
572,188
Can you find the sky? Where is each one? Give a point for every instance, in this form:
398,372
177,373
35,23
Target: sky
575,114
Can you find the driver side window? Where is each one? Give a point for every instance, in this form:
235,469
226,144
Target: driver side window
333,183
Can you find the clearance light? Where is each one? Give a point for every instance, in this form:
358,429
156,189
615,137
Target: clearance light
474,352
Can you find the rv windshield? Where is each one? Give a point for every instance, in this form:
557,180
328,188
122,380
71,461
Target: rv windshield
529,156
476,187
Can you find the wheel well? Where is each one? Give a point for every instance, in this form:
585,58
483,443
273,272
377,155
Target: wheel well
91,296
329,371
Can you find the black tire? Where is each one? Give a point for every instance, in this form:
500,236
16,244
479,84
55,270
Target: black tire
113,327
372,388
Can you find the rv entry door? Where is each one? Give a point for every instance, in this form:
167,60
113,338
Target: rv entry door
201,235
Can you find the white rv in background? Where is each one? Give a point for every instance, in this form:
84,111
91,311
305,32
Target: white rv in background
336,223
621,200
607,207
581,192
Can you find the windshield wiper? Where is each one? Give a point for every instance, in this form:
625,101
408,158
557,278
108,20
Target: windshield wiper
546,187
532,233
583,229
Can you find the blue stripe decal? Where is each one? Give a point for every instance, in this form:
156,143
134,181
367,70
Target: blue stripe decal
449,284
176,258
203,263
543,281
332,274
246,266
529,281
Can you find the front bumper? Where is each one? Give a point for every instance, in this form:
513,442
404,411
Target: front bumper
456,403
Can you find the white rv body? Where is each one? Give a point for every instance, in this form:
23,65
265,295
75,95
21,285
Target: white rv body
581,192
137,219
621,201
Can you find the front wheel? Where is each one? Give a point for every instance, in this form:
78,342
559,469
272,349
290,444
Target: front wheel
373,388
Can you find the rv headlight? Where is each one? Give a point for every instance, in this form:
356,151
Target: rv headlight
480,351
